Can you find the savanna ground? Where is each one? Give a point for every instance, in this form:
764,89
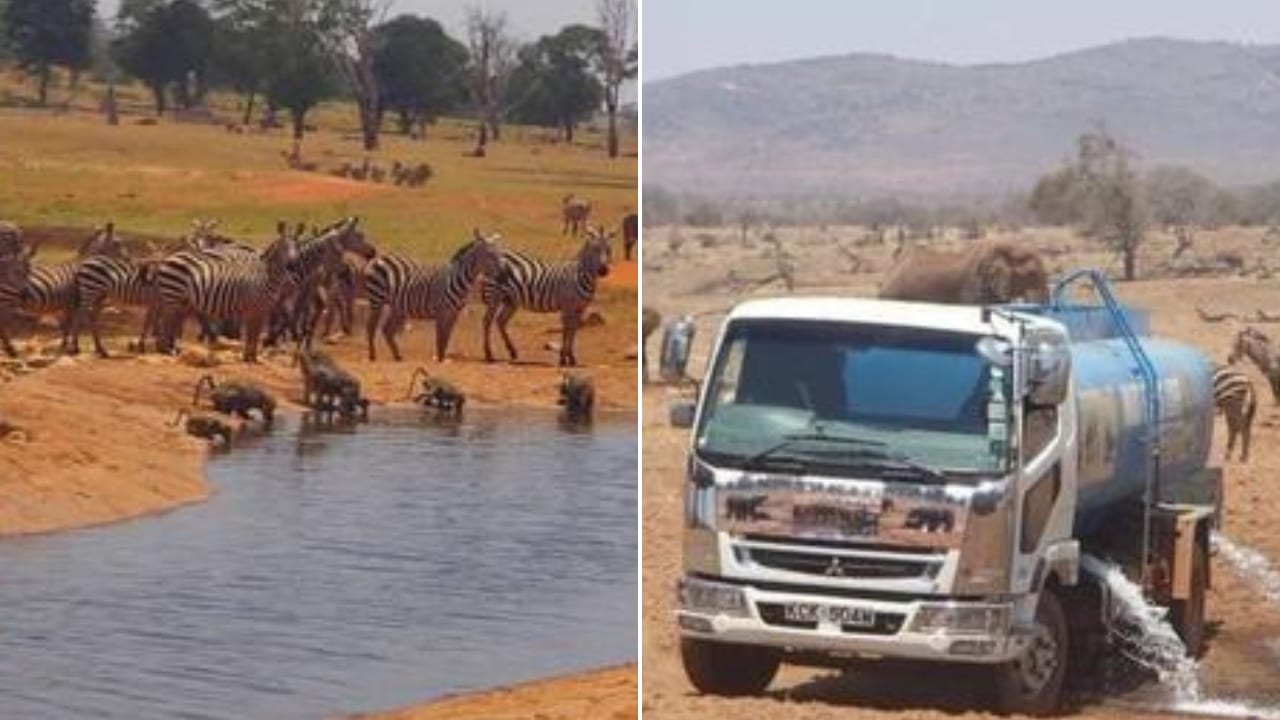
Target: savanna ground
91,441
688,270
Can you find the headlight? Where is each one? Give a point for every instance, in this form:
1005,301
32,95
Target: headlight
962,619
709,597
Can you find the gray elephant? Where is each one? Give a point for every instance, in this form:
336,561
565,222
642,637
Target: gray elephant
988,273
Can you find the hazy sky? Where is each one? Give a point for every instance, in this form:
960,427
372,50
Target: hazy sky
685,35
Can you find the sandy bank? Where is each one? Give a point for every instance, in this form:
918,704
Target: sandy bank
94,446
608,694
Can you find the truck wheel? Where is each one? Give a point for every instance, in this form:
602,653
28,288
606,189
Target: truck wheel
718,668
1188,615
1032,684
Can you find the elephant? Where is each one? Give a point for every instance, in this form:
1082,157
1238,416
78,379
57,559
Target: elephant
988,273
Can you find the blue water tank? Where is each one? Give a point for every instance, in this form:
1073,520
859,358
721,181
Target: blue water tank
1109,401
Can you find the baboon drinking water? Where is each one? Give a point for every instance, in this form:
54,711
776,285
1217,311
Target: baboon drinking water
201,425
236,397
327,388
577,397
437,392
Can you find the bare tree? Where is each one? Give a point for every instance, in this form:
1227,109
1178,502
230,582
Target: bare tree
617,62
351,42
1115,206
492,59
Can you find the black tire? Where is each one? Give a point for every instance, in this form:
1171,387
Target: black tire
1188,615
728,669
1032,684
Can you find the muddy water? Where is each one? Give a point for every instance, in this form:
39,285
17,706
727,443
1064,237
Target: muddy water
335,572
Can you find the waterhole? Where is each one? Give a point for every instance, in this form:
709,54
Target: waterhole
337,571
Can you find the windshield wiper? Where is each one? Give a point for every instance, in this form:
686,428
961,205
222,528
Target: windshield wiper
789,440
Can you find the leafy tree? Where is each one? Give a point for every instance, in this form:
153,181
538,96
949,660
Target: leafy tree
614,61
348,31
421,70
1114,204
299,74
553,84
1180,197
240,49
167,46
1057,198
43,34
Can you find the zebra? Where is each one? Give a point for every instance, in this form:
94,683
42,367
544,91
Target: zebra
1235,397
317,257
1255,345
630,234
51,289
226,288
10,239
541,286
123,281
408,289
574,212
15,267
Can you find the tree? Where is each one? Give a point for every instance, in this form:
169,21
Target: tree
240,49
299,74
1057,198
553,83
167,46
616,63
421,70
1115,209
492,59
352,45
1180,197
44,34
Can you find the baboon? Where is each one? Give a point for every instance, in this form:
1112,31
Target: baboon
236,397
577,397
201,425
327,388
437,392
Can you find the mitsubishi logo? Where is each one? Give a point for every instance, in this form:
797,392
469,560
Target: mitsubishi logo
834,569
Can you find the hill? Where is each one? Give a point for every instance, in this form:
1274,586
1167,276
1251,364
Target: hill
871,124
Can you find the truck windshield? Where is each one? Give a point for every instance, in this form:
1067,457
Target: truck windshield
851,397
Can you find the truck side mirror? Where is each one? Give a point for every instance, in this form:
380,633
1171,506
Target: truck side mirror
677,341
680,413
1050,371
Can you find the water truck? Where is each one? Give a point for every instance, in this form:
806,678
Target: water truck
877,480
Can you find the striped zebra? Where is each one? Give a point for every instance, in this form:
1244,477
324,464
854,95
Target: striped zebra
541,286
120,281
1234,396
224,288
51,289
574,213
408,289
1255,345
15,267
318,256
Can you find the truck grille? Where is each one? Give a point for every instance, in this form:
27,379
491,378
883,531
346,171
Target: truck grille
774,614
849,566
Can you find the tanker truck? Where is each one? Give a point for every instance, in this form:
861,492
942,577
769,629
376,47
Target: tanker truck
874,480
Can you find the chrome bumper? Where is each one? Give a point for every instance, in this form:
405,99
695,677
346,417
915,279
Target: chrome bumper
757,619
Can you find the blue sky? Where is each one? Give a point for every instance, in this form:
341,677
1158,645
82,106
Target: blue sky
681,36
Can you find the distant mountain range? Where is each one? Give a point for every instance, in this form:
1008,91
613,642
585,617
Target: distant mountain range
864,125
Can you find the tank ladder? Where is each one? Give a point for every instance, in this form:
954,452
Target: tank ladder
1151,391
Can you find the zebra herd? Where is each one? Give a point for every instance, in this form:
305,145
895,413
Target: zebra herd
290,286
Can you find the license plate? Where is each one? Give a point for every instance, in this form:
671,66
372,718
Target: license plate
834,614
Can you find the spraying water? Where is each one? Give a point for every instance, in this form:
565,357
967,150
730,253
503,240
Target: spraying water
1251,565
1142,633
